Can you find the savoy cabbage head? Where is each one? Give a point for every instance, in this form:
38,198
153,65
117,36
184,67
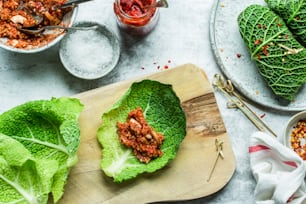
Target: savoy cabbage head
162,111
49,130
280,58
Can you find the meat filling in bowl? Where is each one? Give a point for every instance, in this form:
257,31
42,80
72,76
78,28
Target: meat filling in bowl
17,13
136,134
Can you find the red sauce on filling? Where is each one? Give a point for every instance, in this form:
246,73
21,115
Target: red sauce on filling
136,134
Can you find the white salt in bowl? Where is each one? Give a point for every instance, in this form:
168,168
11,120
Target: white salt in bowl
90,54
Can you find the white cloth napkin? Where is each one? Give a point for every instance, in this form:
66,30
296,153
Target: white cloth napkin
278,171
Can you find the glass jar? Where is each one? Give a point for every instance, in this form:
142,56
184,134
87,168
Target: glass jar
134,17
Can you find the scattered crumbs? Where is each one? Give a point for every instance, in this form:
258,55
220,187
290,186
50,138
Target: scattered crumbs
222,4
163,66
238,55
221,49
257,92
262,115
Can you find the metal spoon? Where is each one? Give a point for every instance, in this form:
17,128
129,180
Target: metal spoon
71,3
38,19
42,29
160,4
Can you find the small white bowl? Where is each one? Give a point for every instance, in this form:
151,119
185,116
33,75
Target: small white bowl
90,54
286,137
69,20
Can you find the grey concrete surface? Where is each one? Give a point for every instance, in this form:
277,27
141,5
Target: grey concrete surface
181,36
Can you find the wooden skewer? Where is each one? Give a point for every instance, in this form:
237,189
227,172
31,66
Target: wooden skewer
236,101
219,148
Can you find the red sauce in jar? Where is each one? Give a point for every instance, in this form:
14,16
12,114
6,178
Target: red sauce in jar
134,16
135,8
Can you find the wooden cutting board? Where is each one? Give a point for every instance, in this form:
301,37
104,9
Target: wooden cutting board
183,178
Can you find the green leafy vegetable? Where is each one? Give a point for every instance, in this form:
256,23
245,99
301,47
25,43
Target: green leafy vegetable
162,111
280,59
49,130
23,179
293,12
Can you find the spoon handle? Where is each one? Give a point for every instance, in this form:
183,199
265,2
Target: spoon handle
73,2
71,28
42,29
160,4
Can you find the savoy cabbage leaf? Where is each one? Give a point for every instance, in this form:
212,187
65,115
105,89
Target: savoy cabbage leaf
49,129
23,179
280,58
162,111
293,12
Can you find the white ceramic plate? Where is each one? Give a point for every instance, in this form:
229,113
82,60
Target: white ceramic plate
227,43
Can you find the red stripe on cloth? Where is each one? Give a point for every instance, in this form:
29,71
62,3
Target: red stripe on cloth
291,163
290,199
257,148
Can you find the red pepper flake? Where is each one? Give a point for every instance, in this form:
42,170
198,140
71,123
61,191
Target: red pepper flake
261,26
158,67
286,36
297,136
263,115
166,67
258,57
257,42
238,55
279,25
265,50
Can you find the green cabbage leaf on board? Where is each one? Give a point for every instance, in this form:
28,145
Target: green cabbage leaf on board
279,57
49,130
293,12
23,179
162,110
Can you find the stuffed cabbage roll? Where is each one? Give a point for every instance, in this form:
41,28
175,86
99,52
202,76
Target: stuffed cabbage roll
280,58
293,12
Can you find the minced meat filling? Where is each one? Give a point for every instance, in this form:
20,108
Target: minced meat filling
135,133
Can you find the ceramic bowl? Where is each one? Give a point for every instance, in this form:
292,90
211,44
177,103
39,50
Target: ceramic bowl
90,54
290,126
68,21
